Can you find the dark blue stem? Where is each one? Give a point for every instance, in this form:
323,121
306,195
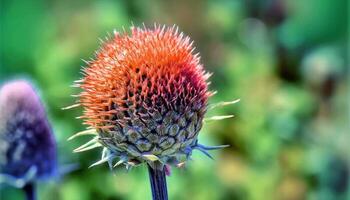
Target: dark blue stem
158,183
29,190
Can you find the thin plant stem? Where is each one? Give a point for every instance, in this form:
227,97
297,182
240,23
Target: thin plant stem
30,192
158,183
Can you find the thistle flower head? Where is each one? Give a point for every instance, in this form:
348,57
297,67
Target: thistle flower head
27,146
145,94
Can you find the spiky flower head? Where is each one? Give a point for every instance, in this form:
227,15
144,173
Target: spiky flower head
145,94
27,145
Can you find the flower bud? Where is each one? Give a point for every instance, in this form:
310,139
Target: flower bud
27,145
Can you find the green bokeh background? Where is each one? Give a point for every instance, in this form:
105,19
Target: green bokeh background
285,59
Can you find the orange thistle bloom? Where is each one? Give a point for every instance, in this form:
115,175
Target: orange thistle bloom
145,96
149,72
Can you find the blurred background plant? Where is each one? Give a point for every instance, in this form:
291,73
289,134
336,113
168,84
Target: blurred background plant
285,59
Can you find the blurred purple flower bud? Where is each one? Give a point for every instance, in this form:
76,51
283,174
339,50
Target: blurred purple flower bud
27,145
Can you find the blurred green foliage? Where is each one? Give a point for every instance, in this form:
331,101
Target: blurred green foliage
285,59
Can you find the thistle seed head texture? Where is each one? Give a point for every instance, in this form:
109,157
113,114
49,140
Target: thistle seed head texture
145,94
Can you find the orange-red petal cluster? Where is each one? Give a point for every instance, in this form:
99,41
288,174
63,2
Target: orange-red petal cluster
140,75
